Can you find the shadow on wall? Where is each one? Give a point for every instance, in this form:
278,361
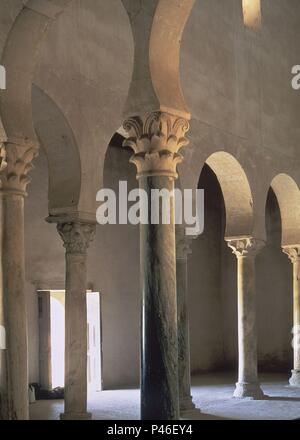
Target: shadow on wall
116,252
211,268
274,297
213,292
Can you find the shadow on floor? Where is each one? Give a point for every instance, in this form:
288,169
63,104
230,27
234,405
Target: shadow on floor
283,398
212,393
198,415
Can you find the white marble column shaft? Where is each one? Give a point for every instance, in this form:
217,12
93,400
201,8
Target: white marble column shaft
246,250
14,359
76,237
293,253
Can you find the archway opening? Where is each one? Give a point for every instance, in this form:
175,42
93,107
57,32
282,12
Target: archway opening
119,253
213,274
275,276
288,197
274,296
212,293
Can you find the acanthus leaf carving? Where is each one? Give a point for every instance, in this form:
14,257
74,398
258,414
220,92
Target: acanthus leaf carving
76,236
3,163
19,158
156,141
293,252
245,246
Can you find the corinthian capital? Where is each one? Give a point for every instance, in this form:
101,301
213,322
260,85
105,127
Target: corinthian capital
76,236
245,247
293,252
156,140
14,176
3,163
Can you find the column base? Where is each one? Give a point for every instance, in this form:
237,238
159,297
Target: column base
248,390
76,416
295,378
192,414
186,404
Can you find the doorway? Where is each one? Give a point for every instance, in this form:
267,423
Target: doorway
52,339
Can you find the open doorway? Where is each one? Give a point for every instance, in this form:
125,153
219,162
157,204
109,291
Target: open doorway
57,338
94,342
52,339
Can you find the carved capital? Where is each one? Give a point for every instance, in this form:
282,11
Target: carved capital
156,140
245,247
293,252
14,177
3,163
183,244
76,236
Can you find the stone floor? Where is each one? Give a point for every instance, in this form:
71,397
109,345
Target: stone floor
212,393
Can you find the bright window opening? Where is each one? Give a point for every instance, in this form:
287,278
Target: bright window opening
252,14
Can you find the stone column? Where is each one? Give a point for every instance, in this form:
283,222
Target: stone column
76,237
246,250
3,165
44,302
14,180
184,368
293,252
156,140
